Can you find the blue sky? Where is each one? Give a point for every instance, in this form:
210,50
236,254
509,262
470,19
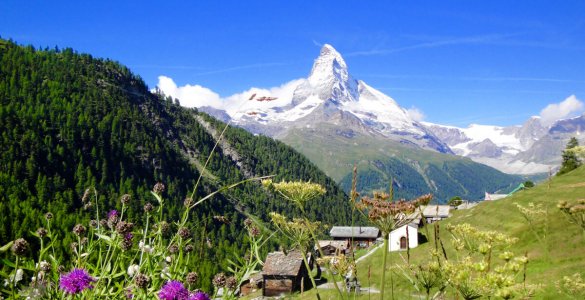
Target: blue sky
458,62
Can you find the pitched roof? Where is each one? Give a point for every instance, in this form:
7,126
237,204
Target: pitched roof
403,226
337,244
356,232
277,263
436,210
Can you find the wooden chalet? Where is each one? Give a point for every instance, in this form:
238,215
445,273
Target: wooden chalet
332,247
433,213
362,236
284,273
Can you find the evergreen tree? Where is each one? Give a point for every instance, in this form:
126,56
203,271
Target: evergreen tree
69,122
570,159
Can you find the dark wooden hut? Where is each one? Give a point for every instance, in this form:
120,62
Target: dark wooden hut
283,273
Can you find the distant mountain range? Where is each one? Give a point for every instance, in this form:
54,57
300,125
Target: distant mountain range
526,149
338,121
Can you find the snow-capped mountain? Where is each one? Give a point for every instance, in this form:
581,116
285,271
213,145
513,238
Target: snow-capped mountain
331,100
331,95
525,149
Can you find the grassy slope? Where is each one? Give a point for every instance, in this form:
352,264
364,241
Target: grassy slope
565,241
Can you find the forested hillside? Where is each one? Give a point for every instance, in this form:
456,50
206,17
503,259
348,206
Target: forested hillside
69,122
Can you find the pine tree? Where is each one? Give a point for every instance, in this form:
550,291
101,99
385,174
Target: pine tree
570,159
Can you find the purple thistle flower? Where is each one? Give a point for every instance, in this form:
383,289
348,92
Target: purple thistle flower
76,281
113,214
173,290
199,296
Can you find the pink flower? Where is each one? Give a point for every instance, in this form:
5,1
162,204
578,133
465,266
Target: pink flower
173,290
76,281
199,296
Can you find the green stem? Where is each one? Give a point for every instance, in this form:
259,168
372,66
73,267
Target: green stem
328,269
311,275
384,258
13,285
144,239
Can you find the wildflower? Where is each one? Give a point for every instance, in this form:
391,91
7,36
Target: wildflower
192,278
506,255
188,202
222,219
76,281
173,248
124,227
521,260
19,247
45,266
142,280
127,242
184,232
103,222
128,293
254,231
85,197
248,222
144,247
297,191
48,216
74,246
159,188
132,270
231,283
148,207
219,280
164,273
189,248
199,295
164,227
61,269
125,199
79,229
112,218
173,290
93,223
18,276
42,232
36,290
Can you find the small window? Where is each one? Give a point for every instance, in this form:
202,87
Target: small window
403,243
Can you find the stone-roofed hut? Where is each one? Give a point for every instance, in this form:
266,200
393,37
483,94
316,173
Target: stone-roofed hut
433,213
331,248
362,236
283,273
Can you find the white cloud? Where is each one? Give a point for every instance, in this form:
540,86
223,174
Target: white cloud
189,95
198,96
567,108
416,114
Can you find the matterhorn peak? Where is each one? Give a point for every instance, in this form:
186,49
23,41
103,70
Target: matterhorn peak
329,53
330,78
328,67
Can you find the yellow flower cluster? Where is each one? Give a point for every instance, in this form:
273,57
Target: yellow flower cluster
572,285
299,231
297,191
